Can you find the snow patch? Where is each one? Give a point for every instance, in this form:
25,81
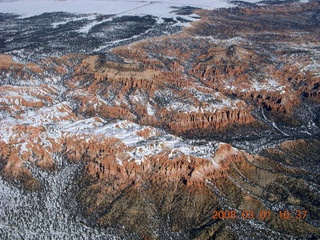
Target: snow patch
150,109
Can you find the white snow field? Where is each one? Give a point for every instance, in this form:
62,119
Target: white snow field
29,8
159,8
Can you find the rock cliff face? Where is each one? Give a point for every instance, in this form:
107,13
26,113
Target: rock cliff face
221,116
279,85
148,95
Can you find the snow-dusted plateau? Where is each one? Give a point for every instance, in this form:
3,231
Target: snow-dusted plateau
143,119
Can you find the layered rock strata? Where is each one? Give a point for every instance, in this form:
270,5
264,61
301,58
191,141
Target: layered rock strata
147,128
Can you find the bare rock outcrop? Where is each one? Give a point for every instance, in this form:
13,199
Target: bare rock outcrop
142,125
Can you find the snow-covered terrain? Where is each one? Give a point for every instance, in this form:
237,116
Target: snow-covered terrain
118,7
31,215
110,110
161,8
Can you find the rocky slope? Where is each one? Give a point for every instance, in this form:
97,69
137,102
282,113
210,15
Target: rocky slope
157,135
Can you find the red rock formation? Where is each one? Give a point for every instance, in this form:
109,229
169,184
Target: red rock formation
206,79
216,120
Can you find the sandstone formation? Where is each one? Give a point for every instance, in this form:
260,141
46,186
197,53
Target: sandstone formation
221,116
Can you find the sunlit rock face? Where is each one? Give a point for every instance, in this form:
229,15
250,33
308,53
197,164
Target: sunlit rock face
145,130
